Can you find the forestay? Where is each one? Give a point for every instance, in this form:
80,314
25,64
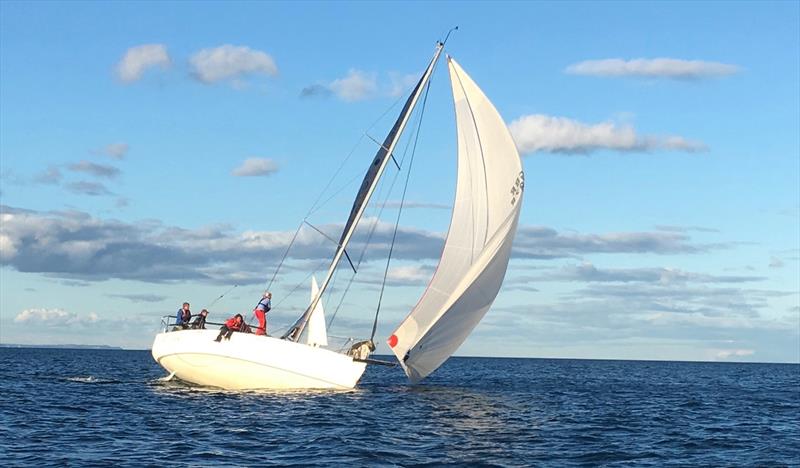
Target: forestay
476,252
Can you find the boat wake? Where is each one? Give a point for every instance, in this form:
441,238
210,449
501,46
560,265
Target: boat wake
91,380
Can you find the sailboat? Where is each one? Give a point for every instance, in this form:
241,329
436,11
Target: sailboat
489,190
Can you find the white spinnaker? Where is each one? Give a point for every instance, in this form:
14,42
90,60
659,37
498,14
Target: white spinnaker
478,244
316,333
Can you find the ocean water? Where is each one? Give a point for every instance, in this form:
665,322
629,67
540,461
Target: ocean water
100,407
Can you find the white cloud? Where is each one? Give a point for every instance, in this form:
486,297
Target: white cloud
229,62
8,248
410,274
403,275
401,84
539,132
140,58
652,68
252,167
356,86
53,317
729,353
359,85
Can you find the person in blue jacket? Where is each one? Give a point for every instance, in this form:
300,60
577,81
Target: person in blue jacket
183,316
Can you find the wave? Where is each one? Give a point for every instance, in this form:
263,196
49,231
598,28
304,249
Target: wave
91,380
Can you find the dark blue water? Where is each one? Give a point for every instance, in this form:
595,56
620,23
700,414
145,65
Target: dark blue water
87,407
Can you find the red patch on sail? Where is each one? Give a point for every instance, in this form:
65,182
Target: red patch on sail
392,341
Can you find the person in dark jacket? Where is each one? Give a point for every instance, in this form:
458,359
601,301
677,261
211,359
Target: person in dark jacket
183,317
235,323
200,321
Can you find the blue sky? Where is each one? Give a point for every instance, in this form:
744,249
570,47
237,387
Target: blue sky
660,143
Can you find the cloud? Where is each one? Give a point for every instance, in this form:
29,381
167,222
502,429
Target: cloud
414,274
97,170
229,62
401,84
113,150
653,68
413,204
546,243
359,85
539,132
404,275
139,59
589,273
315,90
728,353
139,297
775,262
53,317
51,176
694,318
74,284
662,227
356,86
94,189
253,167
76,245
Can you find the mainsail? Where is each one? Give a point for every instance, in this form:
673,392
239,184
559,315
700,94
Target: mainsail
478,245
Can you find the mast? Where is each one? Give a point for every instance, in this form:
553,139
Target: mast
368,186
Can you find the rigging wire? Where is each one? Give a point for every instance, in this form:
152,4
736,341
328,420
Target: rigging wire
375,224
221,296
358,265
317,205
319,266
285,253
314,206
399,212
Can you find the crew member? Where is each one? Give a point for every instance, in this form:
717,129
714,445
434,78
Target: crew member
264,306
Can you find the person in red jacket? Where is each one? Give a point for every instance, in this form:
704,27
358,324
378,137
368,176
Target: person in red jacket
235,323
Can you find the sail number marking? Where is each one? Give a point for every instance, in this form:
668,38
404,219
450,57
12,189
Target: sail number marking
517,188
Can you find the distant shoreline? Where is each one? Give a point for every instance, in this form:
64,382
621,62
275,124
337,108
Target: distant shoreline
387,356
60,346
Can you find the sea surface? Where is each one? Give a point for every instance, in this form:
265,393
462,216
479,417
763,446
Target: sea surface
101,407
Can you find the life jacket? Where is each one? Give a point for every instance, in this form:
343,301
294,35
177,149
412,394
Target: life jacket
266,305
231,324
199,322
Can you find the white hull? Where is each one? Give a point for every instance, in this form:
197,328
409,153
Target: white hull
248,361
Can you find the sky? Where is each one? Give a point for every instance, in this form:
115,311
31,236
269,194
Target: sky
152,153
